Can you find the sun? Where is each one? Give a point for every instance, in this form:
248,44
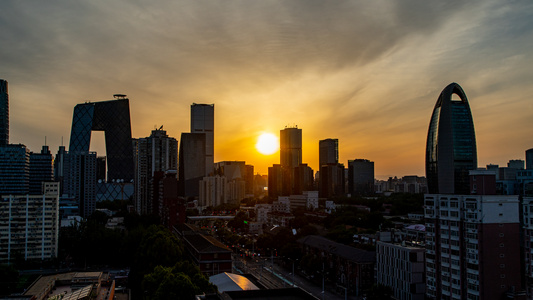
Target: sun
267,144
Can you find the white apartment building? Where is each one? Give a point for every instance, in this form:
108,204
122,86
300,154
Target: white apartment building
402,269
29,225
472,246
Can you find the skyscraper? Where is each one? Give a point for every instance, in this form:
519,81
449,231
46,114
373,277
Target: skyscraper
203,121
451,144
4,113
80,180
112,117
41,170
191,163
290,147
529,159
331,179
158,152
14,169
328,152
361,177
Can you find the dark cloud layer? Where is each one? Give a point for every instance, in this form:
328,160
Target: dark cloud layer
369,70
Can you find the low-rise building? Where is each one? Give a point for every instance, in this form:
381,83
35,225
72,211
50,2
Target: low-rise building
210,255
351,267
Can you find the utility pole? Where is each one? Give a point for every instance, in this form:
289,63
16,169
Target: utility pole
323,281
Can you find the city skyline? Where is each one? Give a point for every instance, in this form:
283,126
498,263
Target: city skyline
367,75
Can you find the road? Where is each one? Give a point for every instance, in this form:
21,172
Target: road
272,275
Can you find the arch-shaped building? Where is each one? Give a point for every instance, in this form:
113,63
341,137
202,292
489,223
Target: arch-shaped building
451,144
112,117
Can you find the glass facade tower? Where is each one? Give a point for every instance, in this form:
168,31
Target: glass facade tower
451,144
112,117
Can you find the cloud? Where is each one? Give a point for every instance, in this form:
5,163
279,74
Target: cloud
367,72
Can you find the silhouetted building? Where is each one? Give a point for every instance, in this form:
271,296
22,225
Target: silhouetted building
14,169
249,180
529,159
4,113
191,163
451,144
517,164
302,179
41,170
80,180
203,121
361,177
331,181
275,181
112,117
171,207
290,147
101,169
158,152
328,152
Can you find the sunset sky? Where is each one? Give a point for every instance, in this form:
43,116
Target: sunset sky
365,72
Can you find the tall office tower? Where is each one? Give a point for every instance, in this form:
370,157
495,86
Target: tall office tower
451,144
29,225
360,177
290,147
203,121
60,167
275,181
249,180
328,152
472,246
41,170
191,164
302,180
158,152
4,113
14,169
112,117
80,180
331,181
529,159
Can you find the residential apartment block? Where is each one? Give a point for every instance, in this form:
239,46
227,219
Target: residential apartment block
29,225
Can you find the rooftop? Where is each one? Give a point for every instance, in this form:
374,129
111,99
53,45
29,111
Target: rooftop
347,252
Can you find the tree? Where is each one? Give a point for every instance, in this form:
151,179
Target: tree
158,247
183,281
8,279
